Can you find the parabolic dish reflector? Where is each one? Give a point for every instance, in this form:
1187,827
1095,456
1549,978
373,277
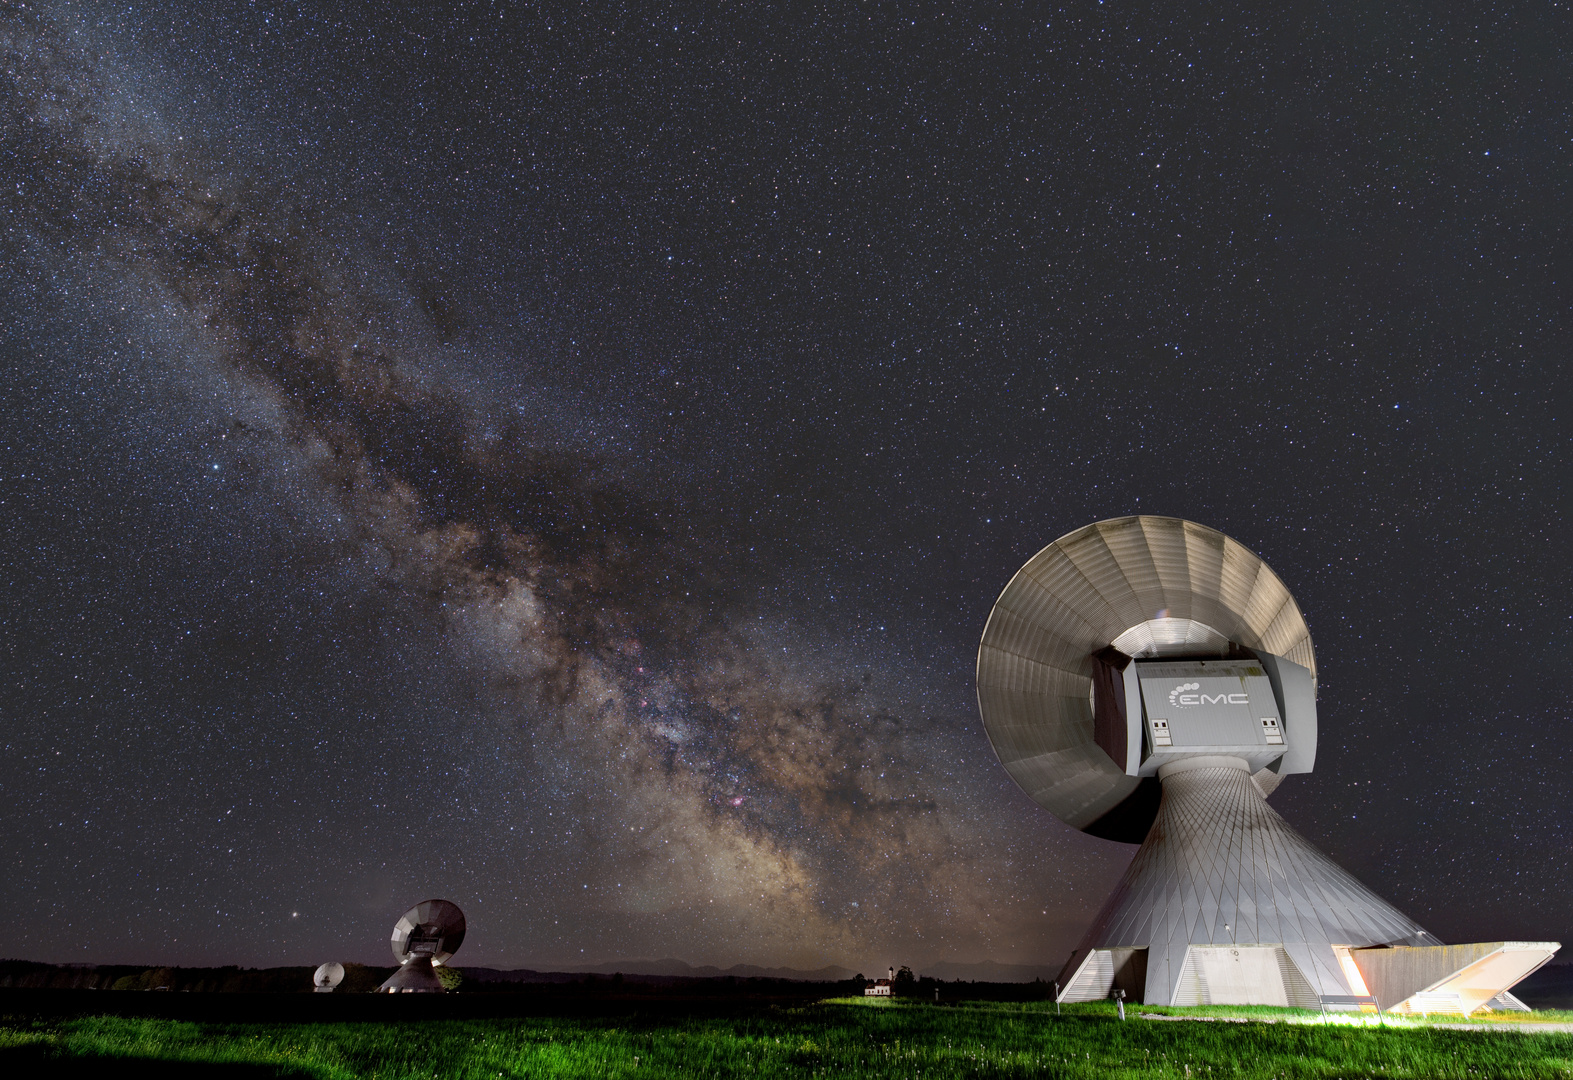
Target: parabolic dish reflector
432,928
1149,587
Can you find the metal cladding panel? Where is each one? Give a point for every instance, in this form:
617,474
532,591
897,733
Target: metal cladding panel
1077,596
1018,672
1051,645
1210,707
1204,556
1091,557
1268,597
1089,796
1171,562
1283,630
1052,571
1296,689
1111,714
1155,637
1209,611
1093,979
1034,606
1133,720
1032,728
1303,655
1217,697
1128,543
1238,580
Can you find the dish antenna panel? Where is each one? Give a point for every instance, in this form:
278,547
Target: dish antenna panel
1150,680
425,936
327,977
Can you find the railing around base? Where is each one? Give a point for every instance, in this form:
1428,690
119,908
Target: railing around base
1364,1003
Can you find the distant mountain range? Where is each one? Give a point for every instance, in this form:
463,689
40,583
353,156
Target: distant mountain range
738,971
662,969
990,971
948,971
985,971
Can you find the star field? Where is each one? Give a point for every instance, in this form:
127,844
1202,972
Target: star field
562,459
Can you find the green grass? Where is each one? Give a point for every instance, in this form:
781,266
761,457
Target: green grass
849,1038
1270,1014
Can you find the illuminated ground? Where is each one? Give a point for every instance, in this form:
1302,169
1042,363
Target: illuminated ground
844,1037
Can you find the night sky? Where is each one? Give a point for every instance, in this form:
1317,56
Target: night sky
561,459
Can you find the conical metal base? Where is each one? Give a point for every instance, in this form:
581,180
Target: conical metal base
416,976
1221,868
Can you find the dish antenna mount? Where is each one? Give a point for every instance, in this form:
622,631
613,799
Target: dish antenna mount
1150,680
426,936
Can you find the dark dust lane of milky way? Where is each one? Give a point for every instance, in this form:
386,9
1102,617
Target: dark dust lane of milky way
561,461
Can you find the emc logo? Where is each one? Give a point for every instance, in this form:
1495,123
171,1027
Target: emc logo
1181,697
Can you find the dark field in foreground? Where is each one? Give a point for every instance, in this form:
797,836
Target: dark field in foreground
825,1039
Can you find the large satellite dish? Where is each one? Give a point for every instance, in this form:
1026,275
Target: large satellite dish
327,977
1150,680
1143,587
427,935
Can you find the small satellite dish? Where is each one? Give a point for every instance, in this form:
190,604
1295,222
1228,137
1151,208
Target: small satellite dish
425,936
327,977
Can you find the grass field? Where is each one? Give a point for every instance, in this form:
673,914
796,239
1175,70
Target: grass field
849,1038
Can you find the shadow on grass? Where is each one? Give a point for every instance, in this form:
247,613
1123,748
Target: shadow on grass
43,1062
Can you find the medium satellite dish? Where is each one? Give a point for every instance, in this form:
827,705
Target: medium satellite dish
327,977
1077,613
425,936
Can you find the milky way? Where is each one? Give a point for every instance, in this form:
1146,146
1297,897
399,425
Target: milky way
613,566
603,624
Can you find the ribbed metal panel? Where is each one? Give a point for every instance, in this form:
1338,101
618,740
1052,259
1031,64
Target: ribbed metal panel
1298,992
1221,867
1094,981
1192,988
